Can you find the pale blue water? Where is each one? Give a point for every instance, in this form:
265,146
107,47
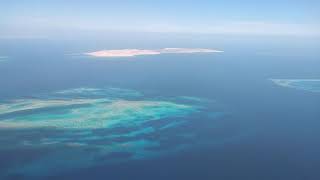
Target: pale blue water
182,116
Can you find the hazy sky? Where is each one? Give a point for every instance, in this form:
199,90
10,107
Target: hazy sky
249,17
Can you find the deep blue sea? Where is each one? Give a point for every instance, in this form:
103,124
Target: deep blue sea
169,116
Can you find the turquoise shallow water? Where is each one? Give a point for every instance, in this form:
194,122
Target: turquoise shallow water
92,126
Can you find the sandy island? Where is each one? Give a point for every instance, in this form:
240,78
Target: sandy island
138,52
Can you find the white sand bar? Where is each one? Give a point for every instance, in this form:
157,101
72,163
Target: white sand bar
138,52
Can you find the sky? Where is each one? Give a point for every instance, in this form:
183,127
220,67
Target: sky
246,17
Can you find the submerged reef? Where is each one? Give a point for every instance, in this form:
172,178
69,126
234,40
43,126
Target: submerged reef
312,85
92,126
92,114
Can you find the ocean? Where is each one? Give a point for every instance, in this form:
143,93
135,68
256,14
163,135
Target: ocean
65,115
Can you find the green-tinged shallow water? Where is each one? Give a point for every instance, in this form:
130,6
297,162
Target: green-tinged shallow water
90,125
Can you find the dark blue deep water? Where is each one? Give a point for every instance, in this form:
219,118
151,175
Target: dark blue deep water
264,131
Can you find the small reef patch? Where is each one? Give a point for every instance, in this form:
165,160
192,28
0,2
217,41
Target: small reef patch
312,85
